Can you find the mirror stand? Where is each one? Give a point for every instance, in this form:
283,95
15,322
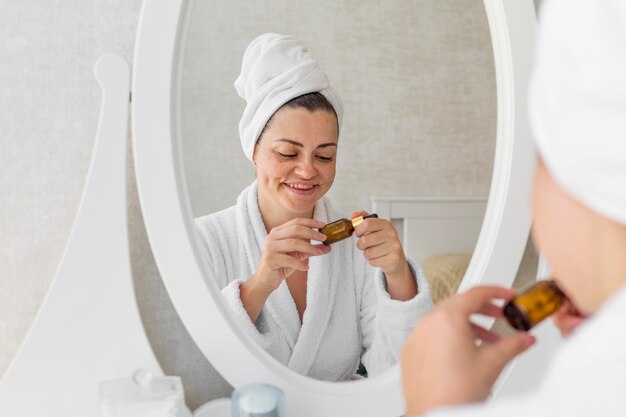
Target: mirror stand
88,328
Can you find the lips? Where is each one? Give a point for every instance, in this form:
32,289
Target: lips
301,189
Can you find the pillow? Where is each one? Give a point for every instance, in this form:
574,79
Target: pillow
444,273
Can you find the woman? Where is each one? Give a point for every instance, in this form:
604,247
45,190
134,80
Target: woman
578,107
318,309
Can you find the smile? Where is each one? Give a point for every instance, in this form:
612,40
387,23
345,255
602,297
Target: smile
301,189
301,186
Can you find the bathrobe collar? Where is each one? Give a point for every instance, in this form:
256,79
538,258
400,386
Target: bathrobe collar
305,339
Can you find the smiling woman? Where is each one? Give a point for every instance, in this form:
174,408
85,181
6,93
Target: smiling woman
319,311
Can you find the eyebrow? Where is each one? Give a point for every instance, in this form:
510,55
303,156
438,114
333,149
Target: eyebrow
294,143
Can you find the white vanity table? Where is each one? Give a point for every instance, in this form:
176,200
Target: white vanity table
108,341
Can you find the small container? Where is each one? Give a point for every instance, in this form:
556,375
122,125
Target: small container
258,400
342,228
143,396
528,309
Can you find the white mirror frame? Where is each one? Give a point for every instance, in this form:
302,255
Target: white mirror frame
168,216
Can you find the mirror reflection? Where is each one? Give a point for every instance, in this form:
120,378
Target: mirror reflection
335,115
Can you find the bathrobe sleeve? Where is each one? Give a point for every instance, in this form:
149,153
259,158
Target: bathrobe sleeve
222,258
386,323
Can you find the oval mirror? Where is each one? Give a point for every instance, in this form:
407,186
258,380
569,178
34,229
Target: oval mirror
185,110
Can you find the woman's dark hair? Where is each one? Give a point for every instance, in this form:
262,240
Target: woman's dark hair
310,101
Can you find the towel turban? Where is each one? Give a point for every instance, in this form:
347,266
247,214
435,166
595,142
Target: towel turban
275,69
577,101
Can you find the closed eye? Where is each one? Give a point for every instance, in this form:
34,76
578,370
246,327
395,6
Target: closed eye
286,155
325,158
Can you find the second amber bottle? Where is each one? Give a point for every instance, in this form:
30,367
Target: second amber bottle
538,302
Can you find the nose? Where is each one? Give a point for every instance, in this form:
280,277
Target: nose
306,168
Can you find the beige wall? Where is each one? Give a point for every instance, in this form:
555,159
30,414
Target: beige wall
417,78
418,84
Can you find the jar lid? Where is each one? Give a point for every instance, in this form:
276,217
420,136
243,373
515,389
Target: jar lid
142,387
258,400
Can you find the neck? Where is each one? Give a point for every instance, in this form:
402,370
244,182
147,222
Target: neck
274,214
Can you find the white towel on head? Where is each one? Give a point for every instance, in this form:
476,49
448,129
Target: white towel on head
578,101
275,69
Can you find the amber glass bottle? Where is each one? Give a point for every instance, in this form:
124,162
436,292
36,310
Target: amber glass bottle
342,228
529,308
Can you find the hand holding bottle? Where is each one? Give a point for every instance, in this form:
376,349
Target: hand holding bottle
380,244
442,365
287,249
382,248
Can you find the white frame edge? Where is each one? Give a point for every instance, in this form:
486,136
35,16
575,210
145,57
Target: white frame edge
506,227
168,219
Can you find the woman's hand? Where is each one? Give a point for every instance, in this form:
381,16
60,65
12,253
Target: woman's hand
287,249
380,244
381,247
568,318
441,363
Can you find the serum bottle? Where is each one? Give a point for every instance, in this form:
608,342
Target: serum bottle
529,308
342,228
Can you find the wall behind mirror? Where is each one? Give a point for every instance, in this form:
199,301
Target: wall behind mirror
418,84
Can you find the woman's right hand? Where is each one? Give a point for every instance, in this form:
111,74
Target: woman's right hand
287,249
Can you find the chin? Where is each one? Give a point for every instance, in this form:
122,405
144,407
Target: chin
299,208
301,204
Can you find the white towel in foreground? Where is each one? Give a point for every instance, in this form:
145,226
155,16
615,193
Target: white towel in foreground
349,313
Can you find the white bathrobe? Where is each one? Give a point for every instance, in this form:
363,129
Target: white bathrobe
349,314
586,378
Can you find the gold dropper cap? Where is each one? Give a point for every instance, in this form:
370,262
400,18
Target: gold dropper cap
358,220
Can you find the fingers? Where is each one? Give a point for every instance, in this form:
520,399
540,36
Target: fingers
485,335
502,352
372,239
478,300
491,310
376,232
297,245
310,223
288,248
382,249
373,225
300,228
567,319
358,213
381,257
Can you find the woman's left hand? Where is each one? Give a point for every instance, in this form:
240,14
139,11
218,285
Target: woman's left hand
441,363
380,244
381,247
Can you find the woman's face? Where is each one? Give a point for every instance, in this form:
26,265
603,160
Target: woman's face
295,159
